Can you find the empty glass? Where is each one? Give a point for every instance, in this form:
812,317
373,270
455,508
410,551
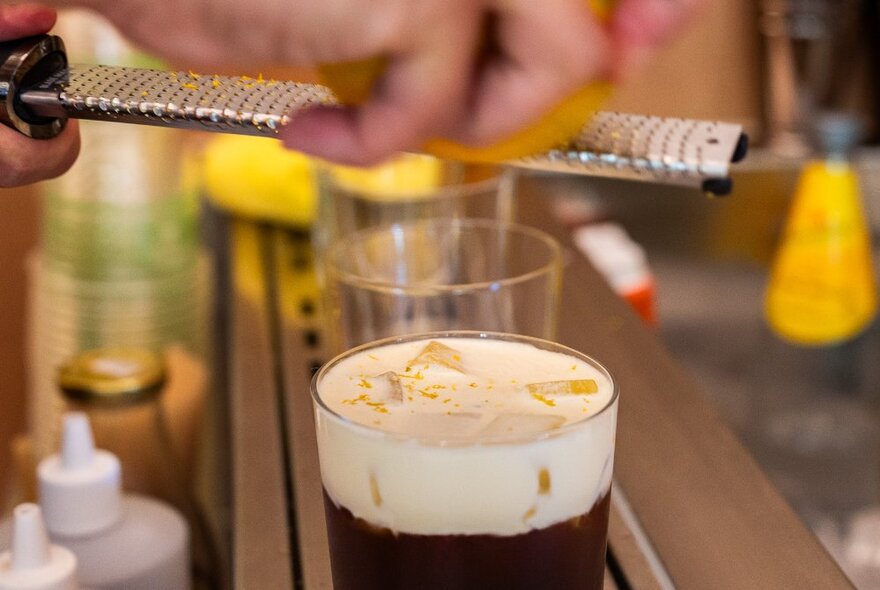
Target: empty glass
442,274
408,189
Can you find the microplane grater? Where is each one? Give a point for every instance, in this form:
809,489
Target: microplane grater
39,91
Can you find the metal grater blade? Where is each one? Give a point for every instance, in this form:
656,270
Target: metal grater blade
662,150
685,152
243,105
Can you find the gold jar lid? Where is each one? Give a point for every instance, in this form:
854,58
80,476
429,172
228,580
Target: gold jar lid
112,376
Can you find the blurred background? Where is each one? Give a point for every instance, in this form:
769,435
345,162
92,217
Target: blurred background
801,76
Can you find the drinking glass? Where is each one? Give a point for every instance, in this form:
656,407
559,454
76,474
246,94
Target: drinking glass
452,500
407,189
442,274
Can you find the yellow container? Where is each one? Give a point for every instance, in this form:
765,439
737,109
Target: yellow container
822,288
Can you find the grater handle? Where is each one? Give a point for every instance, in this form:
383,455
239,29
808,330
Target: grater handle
39,91
23,63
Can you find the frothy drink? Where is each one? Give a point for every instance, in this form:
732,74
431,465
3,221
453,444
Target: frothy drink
466,461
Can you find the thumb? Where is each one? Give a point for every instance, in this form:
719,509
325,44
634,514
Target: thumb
638,27
24,20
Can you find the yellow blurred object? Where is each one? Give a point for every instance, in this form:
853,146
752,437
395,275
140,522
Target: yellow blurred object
553,129
822,288
260,179
297,283
408,175
602,8
353,81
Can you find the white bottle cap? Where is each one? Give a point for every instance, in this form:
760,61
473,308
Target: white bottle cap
32,563
80,487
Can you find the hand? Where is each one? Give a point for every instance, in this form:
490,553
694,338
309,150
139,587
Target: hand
640,26
542,52
436,83
440,81
24,160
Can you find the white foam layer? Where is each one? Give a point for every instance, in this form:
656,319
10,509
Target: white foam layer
467,448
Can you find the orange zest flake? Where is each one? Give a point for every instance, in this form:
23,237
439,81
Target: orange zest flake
438,386
193,75
144,93
190,85
447,400
544,482
473,385
574,367
260,79
418,375
215,83
244,78
428,394
365,384
543,399
374,490
378,407
575,387
456,405
373,356
361,398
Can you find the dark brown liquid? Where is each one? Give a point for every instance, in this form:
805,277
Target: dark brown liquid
566,556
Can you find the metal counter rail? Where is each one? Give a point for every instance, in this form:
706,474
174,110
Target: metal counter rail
690,509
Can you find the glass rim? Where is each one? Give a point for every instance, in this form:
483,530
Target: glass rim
554,261
498,439
443,192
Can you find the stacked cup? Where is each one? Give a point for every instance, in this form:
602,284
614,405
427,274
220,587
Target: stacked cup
120,263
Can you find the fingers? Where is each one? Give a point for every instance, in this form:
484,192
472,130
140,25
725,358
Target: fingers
421,92
639,26
546,52
24,20
397,117
24,160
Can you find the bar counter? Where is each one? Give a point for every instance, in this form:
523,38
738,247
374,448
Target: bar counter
690,508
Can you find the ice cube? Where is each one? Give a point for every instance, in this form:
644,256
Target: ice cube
507,424
438,354
386,388
446,425
557,388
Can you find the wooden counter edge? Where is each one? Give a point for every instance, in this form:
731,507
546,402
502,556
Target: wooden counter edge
710,512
